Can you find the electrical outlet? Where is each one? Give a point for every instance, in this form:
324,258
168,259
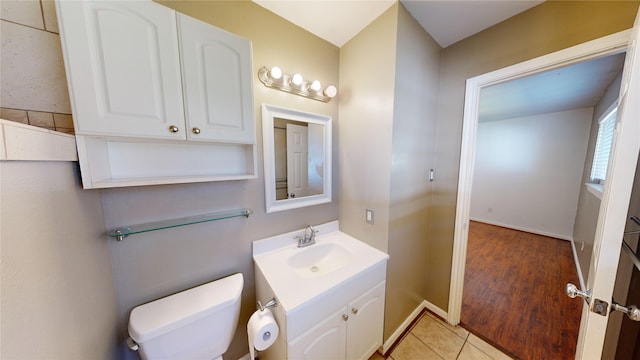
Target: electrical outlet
369,216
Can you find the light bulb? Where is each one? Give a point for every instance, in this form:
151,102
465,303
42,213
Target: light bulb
275,73
331,91
315,85
296,80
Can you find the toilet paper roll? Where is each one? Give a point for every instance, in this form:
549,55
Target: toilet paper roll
262,330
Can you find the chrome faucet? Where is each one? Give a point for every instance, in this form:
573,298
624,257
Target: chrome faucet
309,237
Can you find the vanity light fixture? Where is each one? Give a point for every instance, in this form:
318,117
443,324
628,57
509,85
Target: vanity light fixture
275,73
315,85
296,80
296,84
330,91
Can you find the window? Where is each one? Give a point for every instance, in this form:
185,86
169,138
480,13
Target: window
604,140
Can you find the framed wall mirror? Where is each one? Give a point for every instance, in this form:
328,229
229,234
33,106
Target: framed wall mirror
297,158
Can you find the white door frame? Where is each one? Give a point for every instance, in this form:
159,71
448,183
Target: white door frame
607,45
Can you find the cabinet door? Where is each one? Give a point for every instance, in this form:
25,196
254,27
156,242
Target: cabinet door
324,341
123,68
366,319
217,83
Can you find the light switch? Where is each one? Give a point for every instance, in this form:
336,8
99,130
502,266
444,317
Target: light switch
369,216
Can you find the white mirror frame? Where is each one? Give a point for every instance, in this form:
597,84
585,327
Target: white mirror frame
269,112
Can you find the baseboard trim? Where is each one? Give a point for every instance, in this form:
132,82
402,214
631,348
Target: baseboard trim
521,228
577,262
397,335
436,310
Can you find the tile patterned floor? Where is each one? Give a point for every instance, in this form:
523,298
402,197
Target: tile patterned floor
432,338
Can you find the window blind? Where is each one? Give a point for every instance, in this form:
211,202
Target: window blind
603,147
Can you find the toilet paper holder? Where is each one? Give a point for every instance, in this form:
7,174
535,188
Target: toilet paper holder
271,303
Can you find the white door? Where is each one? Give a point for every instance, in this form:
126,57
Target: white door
614,205
297,160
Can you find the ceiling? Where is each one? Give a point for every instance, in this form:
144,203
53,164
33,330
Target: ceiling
336,21
567,88
449,21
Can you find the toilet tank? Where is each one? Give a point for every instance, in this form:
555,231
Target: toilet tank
198,323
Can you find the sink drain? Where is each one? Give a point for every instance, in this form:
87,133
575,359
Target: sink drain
314,269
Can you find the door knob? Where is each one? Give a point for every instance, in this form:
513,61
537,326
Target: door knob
196,130
632,311
573,292
173,129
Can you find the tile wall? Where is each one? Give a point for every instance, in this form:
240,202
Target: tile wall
33,86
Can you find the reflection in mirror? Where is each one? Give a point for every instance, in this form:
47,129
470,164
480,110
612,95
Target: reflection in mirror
297,152
298,158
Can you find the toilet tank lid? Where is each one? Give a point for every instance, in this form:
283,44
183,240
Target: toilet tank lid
155,318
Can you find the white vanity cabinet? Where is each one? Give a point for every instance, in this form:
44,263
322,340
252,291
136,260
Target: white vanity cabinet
330,295
326,340
353,332
365,323
157,97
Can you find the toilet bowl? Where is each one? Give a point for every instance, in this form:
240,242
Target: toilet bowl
198,323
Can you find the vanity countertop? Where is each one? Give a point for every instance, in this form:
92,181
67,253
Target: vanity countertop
297,275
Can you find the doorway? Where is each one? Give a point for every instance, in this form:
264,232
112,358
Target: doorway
616,190
533,155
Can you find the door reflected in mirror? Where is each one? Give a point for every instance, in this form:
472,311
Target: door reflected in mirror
297,151
299,163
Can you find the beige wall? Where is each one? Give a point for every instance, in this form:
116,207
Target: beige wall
386,149
414,126
33,87
155,264
548,27
58,296
367,76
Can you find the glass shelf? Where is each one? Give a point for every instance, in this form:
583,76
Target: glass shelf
123,232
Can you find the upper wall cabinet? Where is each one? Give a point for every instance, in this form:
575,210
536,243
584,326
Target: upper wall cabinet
156,95
123,66
216,76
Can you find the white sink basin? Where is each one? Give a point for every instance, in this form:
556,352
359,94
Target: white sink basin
319,259
299,274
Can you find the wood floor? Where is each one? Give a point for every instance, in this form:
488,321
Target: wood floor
514,292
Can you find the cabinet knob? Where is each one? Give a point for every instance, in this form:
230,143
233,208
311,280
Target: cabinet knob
195,130
173,129
354,310
345,317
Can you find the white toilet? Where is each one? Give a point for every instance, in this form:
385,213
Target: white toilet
198,323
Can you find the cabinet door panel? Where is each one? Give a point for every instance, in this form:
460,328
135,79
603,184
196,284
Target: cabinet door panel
324,341
122,59
217,82
366,319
